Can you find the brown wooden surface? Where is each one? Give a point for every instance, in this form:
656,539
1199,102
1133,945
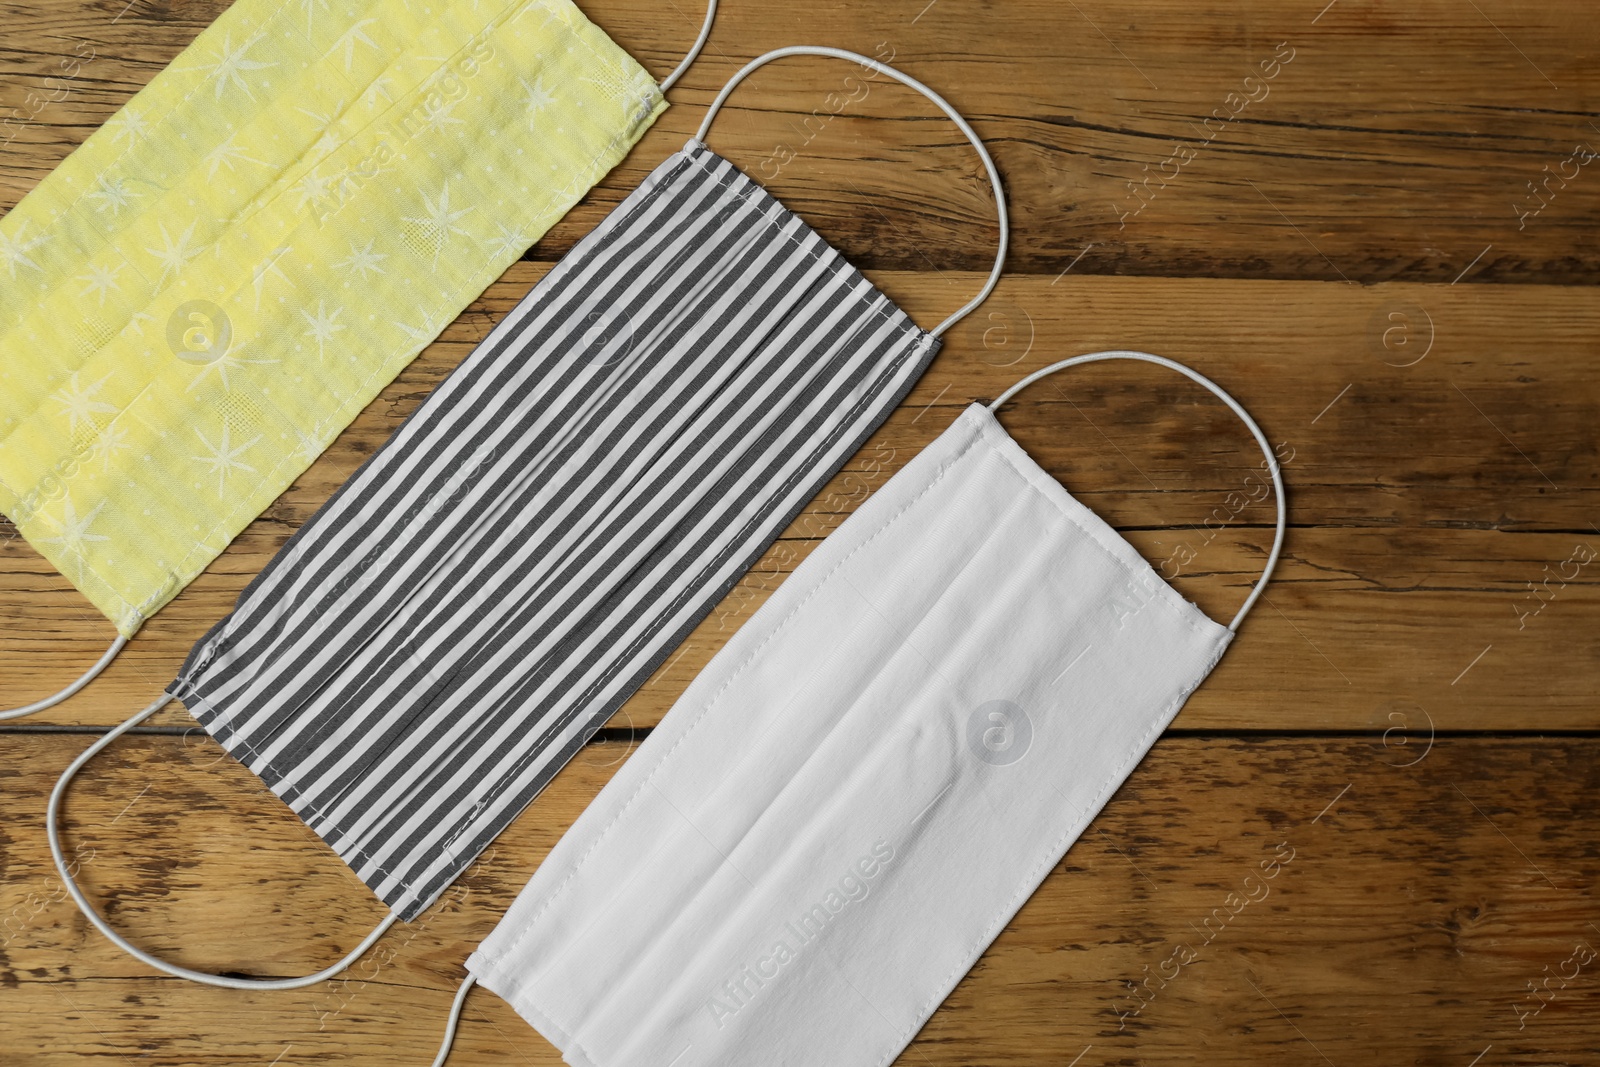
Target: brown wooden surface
1370,197
1414,908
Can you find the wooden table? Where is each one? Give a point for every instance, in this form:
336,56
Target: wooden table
1366,248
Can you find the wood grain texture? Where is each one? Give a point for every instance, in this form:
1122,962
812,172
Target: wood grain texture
1407,913
1433,501
1396,144
1411,710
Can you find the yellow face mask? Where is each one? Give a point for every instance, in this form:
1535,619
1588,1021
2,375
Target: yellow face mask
198,300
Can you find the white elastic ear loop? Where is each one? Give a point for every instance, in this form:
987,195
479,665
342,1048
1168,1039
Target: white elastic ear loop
1238,409
52,831
83,680
453,1021
904,79
694,50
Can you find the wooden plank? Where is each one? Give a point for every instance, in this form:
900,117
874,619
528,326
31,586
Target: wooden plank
1439,445
1439,508
1419,890
1398,142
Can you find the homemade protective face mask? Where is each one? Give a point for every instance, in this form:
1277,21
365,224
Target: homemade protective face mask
452,626
867,781
198,300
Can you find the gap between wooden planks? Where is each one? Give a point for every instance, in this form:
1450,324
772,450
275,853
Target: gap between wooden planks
1418,889
1428,499
1436,486
1397,141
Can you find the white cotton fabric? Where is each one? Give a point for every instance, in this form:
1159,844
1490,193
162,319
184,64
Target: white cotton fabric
864,785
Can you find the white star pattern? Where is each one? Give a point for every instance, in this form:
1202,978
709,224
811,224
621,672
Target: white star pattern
221,364
441,117
350,37
329,139
438,221
113,193
78,402
538,97
307,447
313,187
100,280
324,324
323,121
225,155
232,65
422,334
511,243
363,260
382,88
223,458
14,250
128,125
113,441
310,7
75,533
176,255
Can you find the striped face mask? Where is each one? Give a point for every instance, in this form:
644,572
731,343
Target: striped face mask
866,783
198,300
452,626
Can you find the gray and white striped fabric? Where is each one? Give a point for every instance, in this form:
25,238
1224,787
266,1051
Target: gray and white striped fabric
451,627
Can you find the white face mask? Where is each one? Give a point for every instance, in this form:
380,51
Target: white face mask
867,782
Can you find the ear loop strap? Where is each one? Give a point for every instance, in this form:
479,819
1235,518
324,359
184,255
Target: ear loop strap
1238,409
84,679
939,101
694,50
53,832
454,1020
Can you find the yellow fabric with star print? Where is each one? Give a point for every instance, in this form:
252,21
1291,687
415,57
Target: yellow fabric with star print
198,300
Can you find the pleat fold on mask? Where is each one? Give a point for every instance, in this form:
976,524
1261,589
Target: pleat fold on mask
450,657
207,291
483,539
834,753
521,450
472,604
